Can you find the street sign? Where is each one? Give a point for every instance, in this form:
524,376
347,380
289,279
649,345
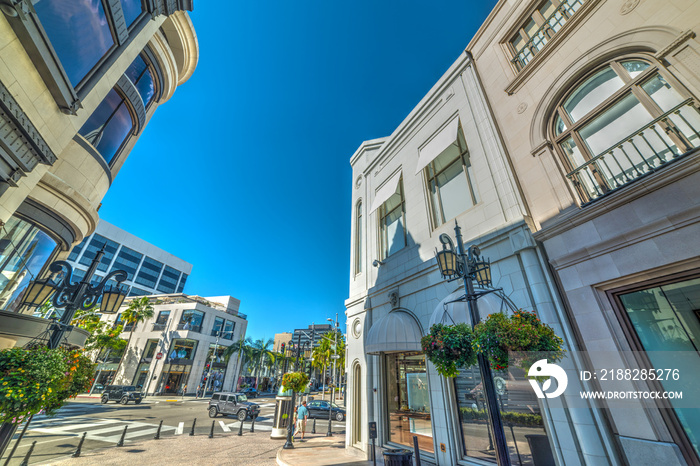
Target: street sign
335,356
372,430
159,355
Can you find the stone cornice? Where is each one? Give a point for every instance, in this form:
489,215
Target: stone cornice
682,38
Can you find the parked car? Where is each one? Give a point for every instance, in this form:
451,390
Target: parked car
319,409
250,392
121,394
232,404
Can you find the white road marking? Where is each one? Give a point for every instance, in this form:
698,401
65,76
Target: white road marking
224,426
180,428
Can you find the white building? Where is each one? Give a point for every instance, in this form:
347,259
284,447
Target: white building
150,269
180,345
444,162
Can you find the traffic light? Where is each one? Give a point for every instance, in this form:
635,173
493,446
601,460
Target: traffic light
282,348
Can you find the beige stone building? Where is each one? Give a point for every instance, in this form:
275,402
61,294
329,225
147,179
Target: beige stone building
78,84
281,339
597,106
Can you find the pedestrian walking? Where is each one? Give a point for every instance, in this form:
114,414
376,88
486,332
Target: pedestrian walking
184,390
294,423
302,416
199,391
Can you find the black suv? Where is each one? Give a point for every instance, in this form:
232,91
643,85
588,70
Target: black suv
121,394
233,404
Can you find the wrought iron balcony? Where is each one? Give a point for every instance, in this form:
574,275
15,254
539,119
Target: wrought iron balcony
159,326
664,140
190,327
551,26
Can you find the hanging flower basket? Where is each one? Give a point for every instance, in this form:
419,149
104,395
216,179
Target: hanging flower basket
40,380
449,347
296,381
520,333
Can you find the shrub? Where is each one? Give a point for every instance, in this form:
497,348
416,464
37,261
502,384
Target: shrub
509,417
296,381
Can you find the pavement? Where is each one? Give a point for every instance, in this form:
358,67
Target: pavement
319,450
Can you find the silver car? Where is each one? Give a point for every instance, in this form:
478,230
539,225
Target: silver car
232,404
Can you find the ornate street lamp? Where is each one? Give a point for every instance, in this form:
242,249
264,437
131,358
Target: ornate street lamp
470,266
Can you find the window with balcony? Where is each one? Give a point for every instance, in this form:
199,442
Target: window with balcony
162,320
109,126
191,320
539,28
624,121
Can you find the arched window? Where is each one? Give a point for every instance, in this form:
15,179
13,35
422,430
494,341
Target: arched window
358,238
623,121
141,76
109,126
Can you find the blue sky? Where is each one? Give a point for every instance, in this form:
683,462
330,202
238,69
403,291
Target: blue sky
245,172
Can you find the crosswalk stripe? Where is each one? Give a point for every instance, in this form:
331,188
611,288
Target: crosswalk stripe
129,435
180,428
224,426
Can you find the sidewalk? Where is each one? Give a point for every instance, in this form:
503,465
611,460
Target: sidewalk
319,450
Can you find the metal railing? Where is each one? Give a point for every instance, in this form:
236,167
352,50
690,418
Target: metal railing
190,327
551,26
654,145
159,326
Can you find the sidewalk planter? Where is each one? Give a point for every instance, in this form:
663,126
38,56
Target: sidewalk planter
398,457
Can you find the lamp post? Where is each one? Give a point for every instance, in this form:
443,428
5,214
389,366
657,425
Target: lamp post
71,297
470,266
211,364
290,427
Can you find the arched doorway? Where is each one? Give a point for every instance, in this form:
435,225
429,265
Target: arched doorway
357,403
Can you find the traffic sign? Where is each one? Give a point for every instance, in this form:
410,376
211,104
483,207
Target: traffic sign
159,355
335,356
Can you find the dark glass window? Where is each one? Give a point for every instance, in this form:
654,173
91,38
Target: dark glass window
108,126
140,74
183,349
95,245
79,33
162,320
78,275
181,285
191,320
168,281
149,272
139,292
218,325
127,260
75,252
228,330
132,9
150,349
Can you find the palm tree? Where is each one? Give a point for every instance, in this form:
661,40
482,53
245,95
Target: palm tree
263,354
139,310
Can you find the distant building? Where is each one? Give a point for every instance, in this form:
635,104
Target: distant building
183,344
281,338
150,269
304,335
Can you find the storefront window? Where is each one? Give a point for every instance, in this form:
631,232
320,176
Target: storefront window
183,349
520,413
141,375
408,400
174,378
24,250
667,319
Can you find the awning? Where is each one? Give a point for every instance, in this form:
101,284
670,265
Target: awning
386,191
439,143
458,312
396,331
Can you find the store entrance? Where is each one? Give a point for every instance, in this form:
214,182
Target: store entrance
174,379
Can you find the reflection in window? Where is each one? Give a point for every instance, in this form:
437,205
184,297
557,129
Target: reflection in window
623,122
408,400
519,410
132,9
666,320
218,326
141,76
228,330
392,223
183,349
450,180
150,349
108,126
191,320
168,280
24,250
79,33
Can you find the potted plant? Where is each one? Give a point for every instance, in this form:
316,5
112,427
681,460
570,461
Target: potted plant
519,333
449,347
296,381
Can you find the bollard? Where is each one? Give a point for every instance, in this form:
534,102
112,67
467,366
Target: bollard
80,446
313,428
193,424
157,436
121,440
415,450
25,461
252,424
211,432
240,429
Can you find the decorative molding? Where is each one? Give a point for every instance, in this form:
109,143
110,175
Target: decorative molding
394,298
539,148
357,328
49,220
132,95
82,142
521,108
358,182
678,41
628,6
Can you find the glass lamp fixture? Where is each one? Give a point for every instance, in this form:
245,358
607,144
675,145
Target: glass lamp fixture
112,299
38,292
482,272
448,261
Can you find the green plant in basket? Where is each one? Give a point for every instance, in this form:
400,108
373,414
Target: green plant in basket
519,334
449,347
296,381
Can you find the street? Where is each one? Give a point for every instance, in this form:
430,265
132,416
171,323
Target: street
58,436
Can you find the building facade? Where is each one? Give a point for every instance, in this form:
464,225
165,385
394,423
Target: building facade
310,337
79,82
150,269
281,339
181,347
597,102
444,163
